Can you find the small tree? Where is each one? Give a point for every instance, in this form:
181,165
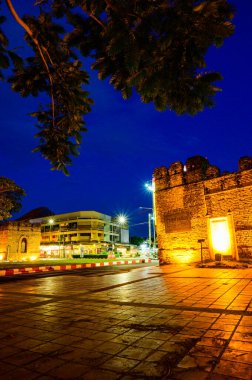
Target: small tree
10,198
137,240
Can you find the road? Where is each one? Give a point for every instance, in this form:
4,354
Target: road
148,322
80,272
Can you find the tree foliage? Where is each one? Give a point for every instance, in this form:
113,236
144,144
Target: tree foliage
10,198
156,47
137,240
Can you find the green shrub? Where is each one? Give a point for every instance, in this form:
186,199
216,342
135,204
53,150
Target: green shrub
92,256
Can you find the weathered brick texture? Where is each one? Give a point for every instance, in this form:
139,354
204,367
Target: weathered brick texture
19,241
188,197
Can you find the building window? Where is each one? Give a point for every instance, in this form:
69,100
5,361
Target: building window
55,227
72,226
84,227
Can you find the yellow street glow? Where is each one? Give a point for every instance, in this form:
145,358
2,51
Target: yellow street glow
183,258
32,258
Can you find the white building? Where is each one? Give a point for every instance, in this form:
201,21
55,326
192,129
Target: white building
81,232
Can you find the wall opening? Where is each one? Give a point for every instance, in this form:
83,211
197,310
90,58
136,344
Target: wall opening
220,236
24,245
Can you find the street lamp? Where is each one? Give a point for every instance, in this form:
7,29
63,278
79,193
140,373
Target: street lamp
122,219
150,187
123,233
117,222
50,221
150,219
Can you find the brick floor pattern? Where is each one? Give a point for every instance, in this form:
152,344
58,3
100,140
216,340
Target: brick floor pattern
158,322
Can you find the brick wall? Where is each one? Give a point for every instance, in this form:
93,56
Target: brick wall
188,197
13,235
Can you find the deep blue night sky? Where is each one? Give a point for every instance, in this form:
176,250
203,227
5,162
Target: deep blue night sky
127,140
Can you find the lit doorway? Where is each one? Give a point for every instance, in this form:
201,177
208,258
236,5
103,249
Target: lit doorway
221,237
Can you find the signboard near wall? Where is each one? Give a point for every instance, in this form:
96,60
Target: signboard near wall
177,221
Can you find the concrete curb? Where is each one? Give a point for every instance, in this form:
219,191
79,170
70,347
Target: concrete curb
17,271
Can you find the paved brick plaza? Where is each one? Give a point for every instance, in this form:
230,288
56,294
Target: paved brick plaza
169,322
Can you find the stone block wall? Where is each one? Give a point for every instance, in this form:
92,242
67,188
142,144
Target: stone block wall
188,197
19,241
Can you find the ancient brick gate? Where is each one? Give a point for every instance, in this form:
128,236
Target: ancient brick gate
197,205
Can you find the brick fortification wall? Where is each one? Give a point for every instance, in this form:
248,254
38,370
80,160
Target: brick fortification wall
188,197
19,241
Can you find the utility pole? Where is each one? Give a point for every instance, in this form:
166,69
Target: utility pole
150,187
51,222
154,231
149,224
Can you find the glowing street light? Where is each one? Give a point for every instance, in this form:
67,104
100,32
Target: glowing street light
122,219
149,186
118,224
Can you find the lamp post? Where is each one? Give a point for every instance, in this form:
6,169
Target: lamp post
51,221
150,219
150,187
149,225
122,224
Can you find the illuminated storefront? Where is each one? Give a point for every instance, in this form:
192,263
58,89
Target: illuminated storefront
80,233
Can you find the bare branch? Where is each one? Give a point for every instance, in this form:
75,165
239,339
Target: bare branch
91,15
96,19
39,47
